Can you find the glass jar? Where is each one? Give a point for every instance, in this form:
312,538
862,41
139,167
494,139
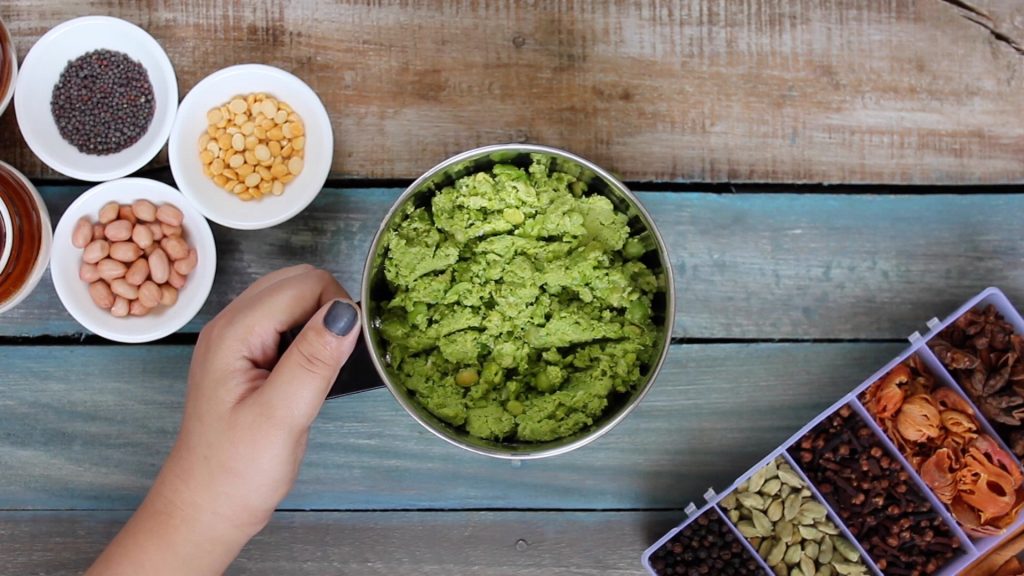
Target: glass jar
25,237
8,67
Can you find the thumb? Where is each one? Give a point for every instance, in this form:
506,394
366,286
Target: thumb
303,376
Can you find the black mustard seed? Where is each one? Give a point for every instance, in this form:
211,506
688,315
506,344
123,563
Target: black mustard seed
103,102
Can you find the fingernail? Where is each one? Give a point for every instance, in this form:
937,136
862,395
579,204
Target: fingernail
341,317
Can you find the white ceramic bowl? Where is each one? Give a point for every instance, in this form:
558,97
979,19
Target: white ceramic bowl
39,268
12,65
219,88
42,68
74,293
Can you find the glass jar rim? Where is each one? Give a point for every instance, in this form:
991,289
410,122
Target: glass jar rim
8,243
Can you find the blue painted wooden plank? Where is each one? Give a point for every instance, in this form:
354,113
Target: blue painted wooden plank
86,427
427,544
747,266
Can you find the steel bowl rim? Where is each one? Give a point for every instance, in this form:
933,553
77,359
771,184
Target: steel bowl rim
406,401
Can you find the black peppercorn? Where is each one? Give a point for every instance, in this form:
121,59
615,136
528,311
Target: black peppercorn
706,546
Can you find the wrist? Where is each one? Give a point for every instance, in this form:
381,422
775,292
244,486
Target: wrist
171,533
183,496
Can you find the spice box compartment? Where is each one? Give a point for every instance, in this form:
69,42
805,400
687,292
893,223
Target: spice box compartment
785,519
950,445
891,514
937,530
707,543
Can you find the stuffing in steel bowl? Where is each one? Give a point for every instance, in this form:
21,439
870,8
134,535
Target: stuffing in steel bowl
520,304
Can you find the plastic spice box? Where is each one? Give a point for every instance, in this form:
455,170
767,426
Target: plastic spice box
971,548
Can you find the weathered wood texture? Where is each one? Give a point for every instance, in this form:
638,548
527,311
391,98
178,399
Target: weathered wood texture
87,427
760,266
899,91
372,543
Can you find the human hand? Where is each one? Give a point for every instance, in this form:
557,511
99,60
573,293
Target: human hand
246,421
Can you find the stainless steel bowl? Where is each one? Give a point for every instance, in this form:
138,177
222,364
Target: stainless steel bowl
374,290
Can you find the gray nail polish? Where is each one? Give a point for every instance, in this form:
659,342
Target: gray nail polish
341,317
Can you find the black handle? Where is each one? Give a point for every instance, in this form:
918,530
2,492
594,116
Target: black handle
357,375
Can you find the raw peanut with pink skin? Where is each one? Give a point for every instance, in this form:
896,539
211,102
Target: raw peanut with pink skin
101,294
175,247
125,213
126,252
109,212
95,251
110,269
142,235
169,214
144,210
170,230
135,258
149,294
186,265
89,273
122,288
168,295
137,308
159,266
82,234
120,308
137,272
118,231
176,280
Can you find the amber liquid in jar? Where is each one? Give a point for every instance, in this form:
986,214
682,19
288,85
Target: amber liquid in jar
5,60
25,235
3,243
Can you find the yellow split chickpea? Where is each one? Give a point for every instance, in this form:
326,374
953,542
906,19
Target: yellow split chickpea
253,146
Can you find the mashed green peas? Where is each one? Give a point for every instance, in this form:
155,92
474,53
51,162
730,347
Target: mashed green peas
520,305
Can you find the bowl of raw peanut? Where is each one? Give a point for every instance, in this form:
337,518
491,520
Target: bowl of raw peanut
132,260
251,146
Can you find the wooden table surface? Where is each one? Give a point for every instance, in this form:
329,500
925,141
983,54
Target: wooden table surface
725,116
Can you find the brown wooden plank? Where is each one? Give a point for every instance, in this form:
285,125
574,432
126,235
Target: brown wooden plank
88,427
900,91
760,266
422,543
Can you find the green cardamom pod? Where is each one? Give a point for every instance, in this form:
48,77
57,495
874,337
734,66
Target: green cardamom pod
761,523
793,554
757,480
846,550
751,500
771,487
776,553
807,565
788,476
791,507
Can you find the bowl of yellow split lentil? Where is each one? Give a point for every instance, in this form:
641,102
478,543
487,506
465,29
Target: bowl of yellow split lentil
251,146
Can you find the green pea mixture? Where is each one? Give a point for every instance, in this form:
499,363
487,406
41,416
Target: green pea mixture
520,304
